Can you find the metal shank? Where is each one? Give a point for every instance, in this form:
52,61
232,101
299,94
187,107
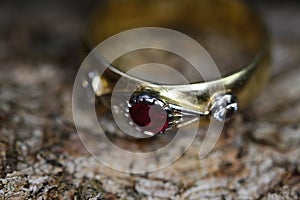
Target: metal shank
214,16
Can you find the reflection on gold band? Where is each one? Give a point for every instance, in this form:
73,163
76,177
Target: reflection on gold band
202,20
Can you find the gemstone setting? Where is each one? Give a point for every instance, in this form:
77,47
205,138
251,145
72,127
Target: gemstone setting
149,114
224,107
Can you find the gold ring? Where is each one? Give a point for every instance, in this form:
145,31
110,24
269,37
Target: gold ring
242,54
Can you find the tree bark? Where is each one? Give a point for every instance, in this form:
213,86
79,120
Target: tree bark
41,156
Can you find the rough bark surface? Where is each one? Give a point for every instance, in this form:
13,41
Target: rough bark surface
41,156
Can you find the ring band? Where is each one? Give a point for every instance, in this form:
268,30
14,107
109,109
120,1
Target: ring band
232,19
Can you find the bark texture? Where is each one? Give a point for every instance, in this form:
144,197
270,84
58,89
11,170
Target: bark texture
41,156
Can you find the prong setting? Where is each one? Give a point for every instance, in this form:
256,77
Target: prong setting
223,107
138,113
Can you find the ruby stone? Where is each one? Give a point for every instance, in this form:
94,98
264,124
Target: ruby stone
142,112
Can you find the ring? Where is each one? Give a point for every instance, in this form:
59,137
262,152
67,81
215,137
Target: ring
230,31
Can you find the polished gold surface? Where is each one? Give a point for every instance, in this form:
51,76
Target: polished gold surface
244,75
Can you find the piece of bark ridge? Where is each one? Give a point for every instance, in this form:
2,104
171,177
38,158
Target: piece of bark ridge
41,156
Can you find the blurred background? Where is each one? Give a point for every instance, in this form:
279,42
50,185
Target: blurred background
51,31
42,41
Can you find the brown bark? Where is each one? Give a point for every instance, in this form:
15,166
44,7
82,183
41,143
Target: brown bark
257,157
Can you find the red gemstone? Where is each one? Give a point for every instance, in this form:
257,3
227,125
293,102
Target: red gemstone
150,117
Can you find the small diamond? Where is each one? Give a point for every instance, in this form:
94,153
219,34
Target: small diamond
224,107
